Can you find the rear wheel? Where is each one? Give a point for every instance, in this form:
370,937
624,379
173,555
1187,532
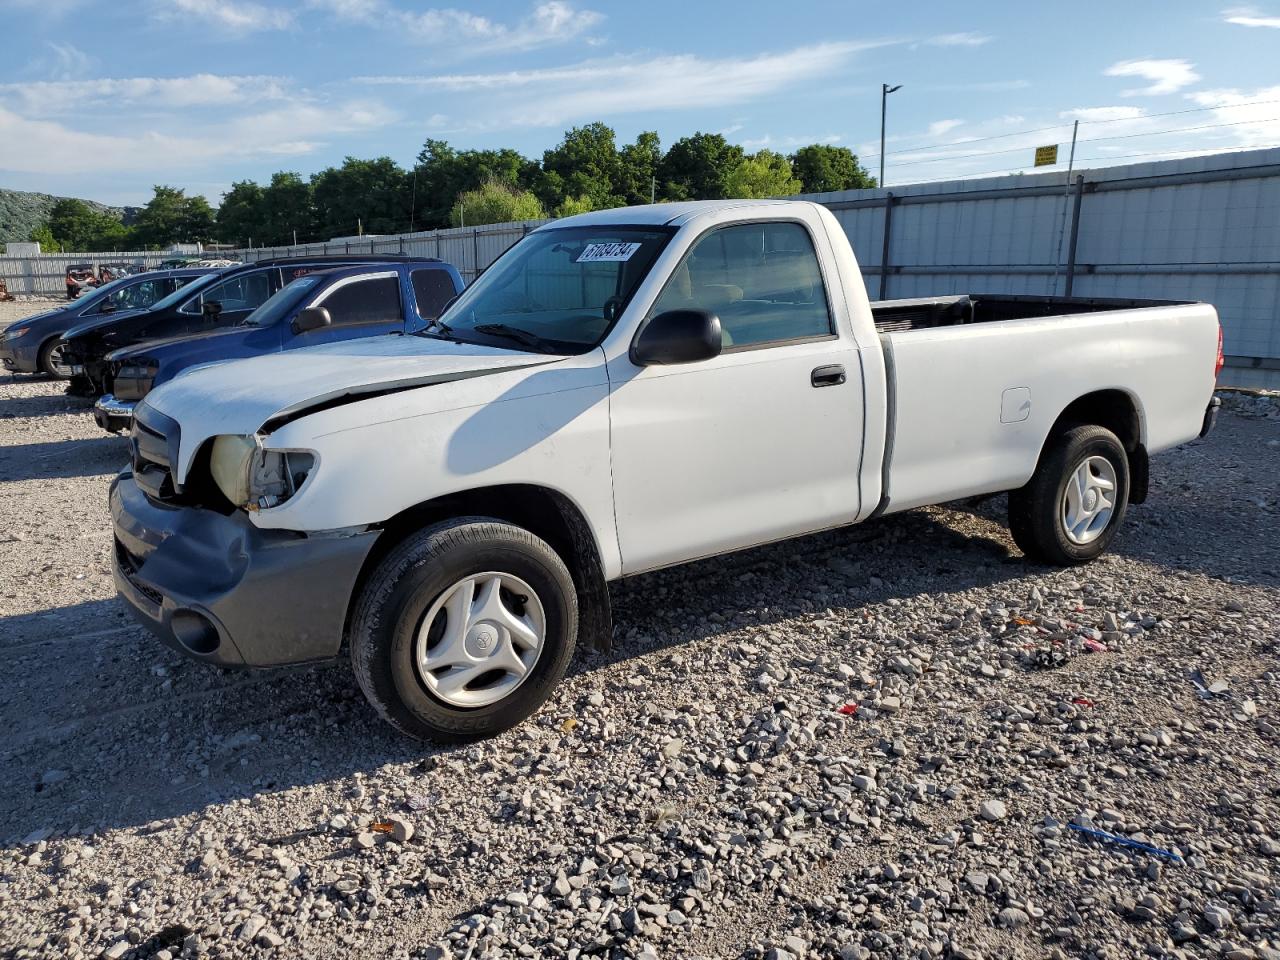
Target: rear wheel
1072,506
464,629
51,362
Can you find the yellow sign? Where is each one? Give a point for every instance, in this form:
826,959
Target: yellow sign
1047,156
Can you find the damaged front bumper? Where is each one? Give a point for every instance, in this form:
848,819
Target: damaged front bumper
218,589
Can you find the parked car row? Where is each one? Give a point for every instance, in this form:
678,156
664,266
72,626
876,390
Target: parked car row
621,391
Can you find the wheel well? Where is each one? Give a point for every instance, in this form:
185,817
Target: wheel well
545,513
1118,412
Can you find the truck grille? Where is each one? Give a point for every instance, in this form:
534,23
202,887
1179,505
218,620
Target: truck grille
154,445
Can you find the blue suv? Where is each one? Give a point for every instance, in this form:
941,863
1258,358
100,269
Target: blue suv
324,306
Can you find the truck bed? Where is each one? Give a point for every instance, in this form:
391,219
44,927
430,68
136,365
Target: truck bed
901,316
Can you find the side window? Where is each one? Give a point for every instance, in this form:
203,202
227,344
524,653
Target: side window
432,289
364,302
761,279
245,292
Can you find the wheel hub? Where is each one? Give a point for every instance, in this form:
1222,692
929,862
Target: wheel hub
480,639
1088,502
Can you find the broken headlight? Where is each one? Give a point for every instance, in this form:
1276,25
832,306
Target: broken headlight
254,478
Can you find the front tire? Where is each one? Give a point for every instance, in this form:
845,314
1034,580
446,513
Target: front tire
49,361
464,629
1069,511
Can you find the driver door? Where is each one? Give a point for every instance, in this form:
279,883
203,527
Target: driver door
757,444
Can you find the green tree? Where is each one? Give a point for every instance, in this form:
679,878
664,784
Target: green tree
573,205
242,216
170,216
44,236
638,167
766,174
287,204
584,164
443,173
823,168
698,167
72,222
495,202
369,195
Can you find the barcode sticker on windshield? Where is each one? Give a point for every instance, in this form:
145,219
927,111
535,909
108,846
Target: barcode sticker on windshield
604,252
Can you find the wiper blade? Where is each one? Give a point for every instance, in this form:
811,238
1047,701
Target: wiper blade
526,337
446,331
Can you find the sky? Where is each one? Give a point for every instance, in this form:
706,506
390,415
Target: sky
104,100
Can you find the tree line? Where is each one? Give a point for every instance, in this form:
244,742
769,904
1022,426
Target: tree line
586,170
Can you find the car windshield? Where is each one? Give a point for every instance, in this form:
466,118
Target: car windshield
184,291
98,294
281,303
557,290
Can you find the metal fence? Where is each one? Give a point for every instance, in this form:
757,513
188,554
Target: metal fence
470,249
1200,228
45,275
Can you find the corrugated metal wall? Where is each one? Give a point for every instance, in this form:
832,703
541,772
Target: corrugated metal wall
1201,228
46,275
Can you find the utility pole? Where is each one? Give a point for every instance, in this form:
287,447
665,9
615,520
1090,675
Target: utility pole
414,201
885,90
653,189
295,237
1062,231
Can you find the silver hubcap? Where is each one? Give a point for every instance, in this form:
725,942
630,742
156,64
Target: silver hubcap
480,639
1089,500
58,361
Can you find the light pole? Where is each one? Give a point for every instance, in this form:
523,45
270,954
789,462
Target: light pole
885,90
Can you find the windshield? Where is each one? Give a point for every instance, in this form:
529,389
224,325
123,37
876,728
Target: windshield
557,290
97,295
184,291
281,303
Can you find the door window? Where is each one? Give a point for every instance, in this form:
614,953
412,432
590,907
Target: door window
376,300
432,289
245,292
761,279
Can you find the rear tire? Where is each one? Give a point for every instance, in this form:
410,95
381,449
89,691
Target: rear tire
421,638
1069,511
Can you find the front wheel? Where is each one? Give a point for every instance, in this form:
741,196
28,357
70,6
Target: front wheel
463,630
1072,506
51,362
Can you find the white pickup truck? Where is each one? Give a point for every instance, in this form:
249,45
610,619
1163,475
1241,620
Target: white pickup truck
620,391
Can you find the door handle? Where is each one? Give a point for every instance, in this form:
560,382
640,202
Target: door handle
828,376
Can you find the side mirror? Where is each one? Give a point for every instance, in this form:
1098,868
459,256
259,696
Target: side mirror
678,336
312,318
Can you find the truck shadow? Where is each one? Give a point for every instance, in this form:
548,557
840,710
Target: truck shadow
100,456
105,726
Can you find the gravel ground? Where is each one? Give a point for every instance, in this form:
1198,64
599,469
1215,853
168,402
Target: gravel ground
872,742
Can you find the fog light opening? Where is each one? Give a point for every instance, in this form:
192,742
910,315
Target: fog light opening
195,632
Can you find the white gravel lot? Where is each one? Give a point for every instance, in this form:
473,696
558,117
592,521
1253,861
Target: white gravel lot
699,792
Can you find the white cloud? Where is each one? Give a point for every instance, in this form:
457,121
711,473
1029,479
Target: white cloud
550,22
785,144
966,39
1251,115
1250,17
594,88
236,16
202,89
1166,76
173,146
65,61
1085,114
940,127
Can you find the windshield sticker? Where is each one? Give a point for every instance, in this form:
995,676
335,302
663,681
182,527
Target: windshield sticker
607,252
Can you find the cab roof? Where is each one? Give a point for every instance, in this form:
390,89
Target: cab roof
663,214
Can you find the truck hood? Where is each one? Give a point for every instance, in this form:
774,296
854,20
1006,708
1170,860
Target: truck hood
241,396
166,347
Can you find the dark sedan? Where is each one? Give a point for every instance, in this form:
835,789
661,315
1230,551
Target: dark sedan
29,345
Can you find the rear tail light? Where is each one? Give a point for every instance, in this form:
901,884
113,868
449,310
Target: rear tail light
1222,360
